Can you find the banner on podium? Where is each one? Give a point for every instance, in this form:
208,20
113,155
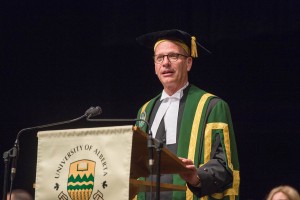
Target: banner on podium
84,164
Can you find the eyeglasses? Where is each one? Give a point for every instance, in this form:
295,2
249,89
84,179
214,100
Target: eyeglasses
172,57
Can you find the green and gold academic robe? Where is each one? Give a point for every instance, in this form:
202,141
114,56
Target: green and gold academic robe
205,135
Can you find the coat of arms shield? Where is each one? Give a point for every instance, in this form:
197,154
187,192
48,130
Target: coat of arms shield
81,179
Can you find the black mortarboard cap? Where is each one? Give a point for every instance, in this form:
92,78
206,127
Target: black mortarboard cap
149,39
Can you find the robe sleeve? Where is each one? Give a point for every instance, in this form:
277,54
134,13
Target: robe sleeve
215,174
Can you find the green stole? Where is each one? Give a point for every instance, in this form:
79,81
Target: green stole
193,99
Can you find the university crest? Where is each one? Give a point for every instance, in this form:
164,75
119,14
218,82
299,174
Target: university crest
81,179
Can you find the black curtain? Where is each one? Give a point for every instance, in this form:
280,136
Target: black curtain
60,57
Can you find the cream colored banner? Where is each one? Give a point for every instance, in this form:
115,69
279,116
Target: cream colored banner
84,164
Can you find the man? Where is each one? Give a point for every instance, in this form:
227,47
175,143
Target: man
193,124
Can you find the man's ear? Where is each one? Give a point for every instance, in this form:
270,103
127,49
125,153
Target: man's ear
189,63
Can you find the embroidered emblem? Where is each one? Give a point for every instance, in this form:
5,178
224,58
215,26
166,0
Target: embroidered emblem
143,117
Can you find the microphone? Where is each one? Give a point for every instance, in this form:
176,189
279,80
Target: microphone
93,111
14,152
149,138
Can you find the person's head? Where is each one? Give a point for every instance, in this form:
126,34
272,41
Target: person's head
19,194
174,51
172,64
284,192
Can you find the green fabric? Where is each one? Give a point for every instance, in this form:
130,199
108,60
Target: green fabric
221,113
217,115
147,111
191,104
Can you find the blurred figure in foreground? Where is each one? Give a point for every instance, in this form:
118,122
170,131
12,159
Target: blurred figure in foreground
283,192
19,194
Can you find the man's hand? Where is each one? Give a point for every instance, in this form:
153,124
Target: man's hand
191,175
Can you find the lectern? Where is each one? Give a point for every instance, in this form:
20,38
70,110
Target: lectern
98,163
170,164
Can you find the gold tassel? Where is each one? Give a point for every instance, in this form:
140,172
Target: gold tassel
194,53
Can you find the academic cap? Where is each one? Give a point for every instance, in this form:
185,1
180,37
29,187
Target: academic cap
149,40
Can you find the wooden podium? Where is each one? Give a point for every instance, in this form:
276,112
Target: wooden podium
86,145
170,164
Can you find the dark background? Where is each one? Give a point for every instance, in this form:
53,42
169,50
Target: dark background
58,58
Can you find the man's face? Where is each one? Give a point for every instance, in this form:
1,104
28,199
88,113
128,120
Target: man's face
172,75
